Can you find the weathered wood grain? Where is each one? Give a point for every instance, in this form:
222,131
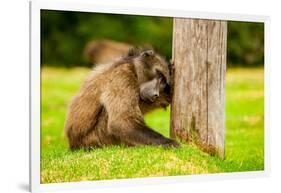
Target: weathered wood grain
198,105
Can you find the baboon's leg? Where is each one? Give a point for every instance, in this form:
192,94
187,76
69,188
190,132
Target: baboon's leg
91,140
99,136
132,132
125,121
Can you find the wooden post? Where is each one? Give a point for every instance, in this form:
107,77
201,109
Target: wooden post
198,105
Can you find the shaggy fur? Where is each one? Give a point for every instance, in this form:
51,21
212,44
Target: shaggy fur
108,109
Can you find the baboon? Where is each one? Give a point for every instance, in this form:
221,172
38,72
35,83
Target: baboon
104,51
109,108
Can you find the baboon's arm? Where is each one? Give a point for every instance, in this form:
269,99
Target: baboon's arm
162,102
125,121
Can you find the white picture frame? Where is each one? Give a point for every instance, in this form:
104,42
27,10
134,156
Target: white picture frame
35,88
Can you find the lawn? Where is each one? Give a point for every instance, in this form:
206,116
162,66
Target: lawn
244,135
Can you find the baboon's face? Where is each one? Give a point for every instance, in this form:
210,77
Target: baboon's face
155,66
157,75
151,90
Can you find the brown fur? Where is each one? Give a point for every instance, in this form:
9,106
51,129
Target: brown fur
108,109
104,51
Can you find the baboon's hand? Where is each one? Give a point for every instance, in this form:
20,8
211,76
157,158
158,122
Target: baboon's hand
171,144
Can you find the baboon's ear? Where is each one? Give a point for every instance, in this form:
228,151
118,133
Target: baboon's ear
171,66
171,61
147,53
131,51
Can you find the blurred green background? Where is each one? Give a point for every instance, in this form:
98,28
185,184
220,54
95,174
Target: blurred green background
65,34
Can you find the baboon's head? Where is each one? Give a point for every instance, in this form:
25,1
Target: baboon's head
150,65
151,90
154,74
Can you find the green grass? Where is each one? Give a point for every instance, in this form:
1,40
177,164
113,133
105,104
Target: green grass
244,135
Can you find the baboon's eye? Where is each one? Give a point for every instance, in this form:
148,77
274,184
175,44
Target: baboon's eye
167,89
161,77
